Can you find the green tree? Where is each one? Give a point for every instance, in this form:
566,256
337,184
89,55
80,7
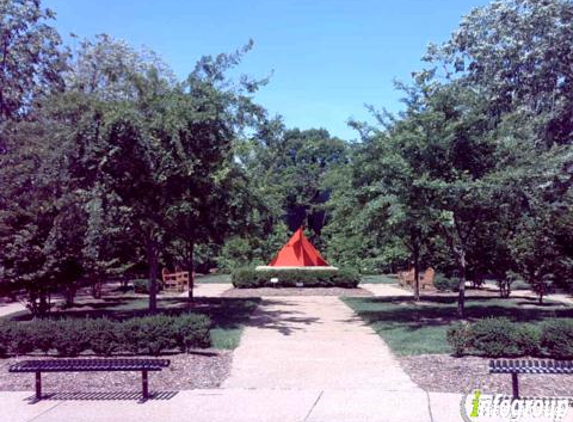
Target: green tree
32,58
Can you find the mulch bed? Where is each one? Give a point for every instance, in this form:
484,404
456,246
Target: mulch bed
444,373
202,369
296,291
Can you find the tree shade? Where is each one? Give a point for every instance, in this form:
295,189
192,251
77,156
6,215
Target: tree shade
298,252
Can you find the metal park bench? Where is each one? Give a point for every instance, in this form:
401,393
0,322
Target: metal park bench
528,366
91,365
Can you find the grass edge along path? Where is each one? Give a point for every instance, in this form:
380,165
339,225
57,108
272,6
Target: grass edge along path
411,328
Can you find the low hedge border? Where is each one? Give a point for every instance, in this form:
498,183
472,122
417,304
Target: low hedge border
499,337
251,278
150,335
141,285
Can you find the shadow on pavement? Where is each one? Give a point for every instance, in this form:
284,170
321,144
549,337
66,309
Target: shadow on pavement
284,321
102,395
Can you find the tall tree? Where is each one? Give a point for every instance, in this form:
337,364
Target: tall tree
31,56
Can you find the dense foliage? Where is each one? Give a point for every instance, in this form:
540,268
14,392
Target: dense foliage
499,337
112,167
251,278
151,335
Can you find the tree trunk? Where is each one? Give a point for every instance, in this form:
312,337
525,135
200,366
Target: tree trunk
96,287
43,306
462,283
152,261
190,252
416,253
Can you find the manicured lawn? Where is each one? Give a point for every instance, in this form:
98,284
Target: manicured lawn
379,279
228,315
413,329
214,278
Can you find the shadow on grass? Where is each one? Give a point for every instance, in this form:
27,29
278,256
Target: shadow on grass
225,313
441,310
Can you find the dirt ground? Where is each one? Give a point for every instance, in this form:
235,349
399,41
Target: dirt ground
444,373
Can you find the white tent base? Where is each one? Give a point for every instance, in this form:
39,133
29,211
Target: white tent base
269,268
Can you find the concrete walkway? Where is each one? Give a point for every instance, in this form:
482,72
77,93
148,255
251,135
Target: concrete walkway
385,290
208,289
241,405
10,308
313,342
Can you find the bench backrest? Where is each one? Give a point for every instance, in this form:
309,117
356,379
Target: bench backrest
86,365
530,366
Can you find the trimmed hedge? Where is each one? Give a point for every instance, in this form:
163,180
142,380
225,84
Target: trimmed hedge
141,285
151,335
446,284
250,278
499,337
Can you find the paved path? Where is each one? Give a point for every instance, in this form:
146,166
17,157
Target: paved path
241,405
385,290
208,289
313,342
10,308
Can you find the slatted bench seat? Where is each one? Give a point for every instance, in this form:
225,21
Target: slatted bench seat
90,365
528,366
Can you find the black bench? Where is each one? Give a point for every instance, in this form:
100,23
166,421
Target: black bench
91,365
528,366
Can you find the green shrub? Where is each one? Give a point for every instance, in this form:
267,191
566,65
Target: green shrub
42,332
528,339
131,336
192,331
19,338
557,338
141,285
151,335
445,284
70,337
4,338
494,337
103,336
158,334
250,278
458,337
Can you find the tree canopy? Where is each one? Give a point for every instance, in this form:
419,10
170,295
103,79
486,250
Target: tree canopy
112,167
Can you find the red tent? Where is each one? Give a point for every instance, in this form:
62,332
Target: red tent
298,252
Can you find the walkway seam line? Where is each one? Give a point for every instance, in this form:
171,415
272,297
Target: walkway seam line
45,411
430,407
314,405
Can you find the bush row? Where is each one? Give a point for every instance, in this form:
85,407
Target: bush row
446,284
249,277
141,285
150,335
499,337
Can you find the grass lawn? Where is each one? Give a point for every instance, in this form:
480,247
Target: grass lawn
379,279
413,329
214,278
228,315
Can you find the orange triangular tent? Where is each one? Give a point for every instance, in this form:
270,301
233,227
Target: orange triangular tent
298,252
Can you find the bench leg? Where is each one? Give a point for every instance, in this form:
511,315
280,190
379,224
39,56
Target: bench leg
515,385
38,385
145,385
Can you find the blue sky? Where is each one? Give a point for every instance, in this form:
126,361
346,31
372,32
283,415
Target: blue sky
329,57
